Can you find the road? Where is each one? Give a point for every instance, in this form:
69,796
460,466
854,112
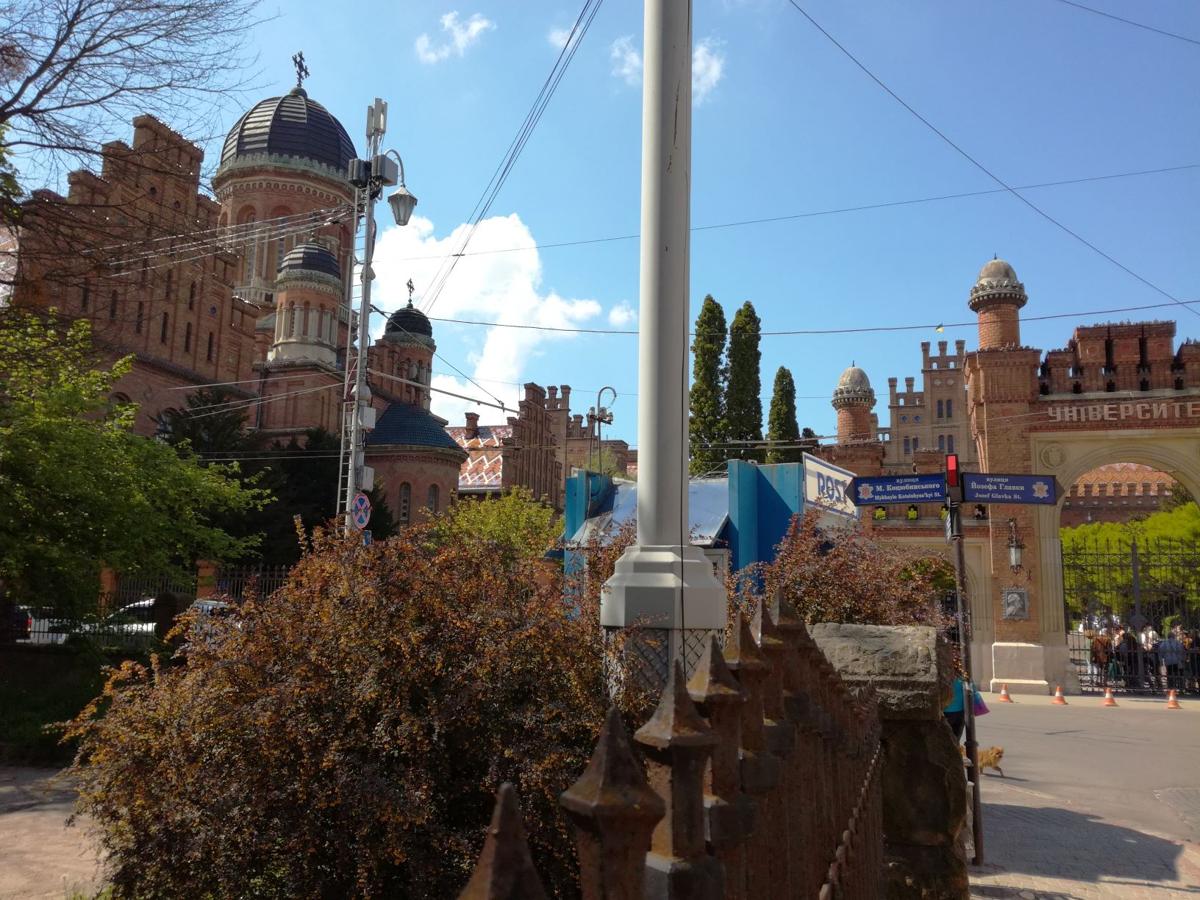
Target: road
1096,803
41,856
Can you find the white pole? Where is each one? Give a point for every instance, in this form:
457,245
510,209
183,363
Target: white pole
662,581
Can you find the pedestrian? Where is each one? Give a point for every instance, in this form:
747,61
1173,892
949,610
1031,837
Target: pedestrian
1171,651
1101,655
955,711
1127,650
1150,639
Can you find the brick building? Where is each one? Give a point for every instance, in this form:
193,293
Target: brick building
248,291
1113,417
524,452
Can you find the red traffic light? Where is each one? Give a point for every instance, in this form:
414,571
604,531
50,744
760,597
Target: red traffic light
952,470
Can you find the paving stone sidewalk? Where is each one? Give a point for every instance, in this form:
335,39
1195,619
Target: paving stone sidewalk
41,856
1038,849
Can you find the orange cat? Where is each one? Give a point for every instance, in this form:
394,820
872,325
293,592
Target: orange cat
989,757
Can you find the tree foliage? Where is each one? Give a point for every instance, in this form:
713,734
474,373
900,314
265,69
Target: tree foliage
706,423
514,522
345,736
78,488
781,420
743,404
845,576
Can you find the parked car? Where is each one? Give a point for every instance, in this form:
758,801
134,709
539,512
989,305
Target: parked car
131,626
15,623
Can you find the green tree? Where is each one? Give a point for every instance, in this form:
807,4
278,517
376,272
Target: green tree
706,424
781,421
743,406
78,488
514,521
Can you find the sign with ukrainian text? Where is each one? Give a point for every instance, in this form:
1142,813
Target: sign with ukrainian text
888,490
827,487
1125,411
982,487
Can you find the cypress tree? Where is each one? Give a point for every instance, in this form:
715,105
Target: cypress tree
707,403
743,406
781,420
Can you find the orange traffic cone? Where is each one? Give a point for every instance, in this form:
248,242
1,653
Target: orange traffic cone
1059,699
1173,700
1109,699
1004,698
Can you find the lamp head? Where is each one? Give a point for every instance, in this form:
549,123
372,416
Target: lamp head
402,203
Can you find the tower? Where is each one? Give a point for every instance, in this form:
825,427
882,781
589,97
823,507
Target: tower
853,399
406,351
996,299
310,311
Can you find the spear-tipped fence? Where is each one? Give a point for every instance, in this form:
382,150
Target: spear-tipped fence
756,778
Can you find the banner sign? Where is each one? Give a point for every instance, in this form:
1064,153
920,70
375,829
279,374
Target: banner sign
980,487
899,489
827,487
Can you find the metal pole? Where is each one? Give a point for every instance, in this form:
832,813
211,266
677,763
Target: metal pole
375,131
964,643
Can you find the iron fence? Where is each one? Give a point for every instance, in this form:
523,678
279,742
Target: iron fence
245,581
1133,614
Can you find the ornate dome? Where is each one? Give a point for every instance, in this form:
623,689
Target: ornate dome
408,320
997,283
853,389
291,126
310,257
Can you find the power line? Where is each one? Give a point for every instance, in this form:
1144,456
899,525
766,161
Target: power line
789,217
971,159
794,332
1098,12
583,23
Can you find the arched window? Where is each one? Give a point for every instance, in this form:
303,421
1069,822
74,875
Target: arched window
404,504
112,305
192,296
86,299
949,443
141,314
433,498
949,409
291,325
907,447
162,334
209,355
942,442
941,410
307,322
170,282
187,338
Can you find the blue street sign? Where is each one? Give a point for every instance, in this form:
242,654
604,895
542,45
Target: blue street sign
898,489
983,487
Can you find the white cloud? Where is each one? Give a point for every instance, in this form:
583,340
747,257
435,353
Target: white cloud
626,60
621,315
460,36
558,37
492,287
708,65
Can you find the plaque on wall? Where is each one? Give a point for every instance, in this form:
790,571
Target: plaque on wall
1014,603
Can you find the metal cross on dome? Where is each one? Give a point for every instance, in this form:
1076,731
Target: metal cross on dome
301,68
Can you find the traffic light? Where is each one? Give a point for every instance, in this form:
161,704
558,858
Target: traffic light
954,486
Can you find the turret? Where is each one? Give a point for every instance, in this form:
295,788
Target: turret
997,298
853,399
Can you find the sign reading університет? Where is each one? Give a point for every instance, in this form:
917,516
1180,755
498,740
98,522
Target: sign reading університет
1142,410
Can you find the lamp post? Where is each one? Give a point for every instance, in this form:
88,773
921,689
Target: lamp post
369,177
599,416
662,580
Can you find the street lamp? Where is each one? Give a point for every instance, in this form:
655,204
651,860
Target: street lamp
1014,547
381,168
599,417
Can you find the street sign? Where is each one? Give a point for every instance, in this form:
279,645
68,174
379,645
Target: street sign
986,487
899,489
360,510
827,487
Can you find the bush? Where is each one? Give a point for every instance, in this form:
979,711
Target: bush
345,737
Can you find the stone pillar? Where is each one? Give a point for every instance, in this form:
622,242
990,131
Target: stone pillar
924,786
206,579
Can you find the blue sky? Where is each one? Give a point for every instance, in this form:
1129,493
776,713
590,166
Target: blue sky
1037,90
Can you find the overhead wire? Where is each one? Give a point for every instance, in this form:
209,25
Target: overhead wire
1142,25
975,162
483,205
